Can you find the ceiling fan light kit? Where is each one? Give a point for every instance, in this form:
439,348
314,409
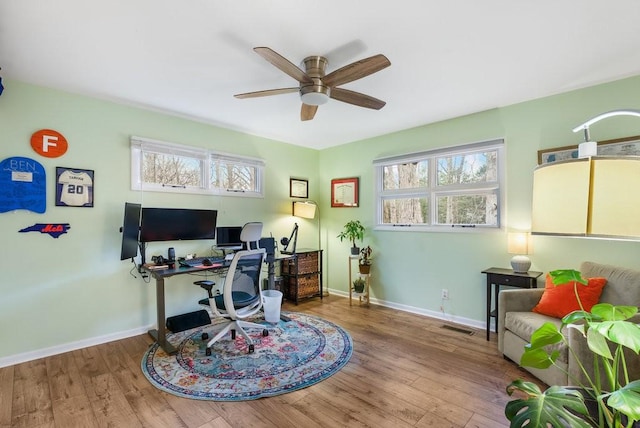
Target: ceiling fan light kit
315,87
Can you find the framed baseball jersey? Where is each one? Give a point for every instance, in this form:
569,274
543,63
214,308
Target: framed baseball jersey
74,187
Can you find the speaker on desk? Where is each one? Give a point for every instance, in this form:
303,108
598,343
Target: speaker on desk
172,254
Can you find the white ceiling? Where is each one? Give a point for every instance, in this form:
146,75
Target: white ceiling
449,57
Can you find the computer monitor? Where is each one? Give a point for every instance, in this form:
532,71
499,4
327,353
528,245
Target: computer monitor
228,237
130,230
176,224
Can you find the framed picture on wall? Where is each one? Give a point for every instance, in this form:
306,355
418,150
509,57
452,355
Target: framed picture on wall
74,187
627,146
344,192
298,188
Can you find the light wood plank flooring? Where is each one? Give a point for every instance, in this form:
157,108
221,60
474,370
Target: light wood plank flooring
406,371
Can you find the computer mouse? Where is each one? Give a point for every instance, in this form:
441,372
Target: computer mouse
206,262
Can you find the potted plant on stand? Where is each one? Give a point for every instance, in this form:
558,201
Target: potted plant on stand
353,230
358,285
614,398
364,263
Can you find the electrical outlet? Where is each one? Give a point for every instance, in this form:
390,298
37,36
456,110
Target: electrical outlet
445,294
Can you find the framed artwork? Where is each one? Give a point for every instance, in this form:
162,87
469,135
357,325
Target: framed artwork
628,146
298,188
344,192
74,187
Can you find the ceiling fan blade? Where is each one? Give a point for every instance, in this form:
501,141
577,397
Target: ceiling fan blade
283,64
308,111
356,70
267,93
356,98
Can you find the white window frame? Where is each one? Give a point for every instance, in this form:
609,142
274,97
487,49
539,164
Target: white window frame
140,144
431,192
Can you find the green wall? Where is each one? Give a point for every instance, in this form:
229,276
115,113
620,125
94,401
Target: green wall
72,291
411,268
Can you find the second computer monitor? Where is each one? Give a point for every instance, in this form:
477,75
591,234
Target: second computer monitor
228,237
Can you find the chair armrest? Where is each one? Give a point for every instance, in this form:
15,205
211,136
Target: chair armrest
521,300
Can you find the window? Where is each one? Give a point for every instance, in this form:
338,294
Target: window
440,189
168,167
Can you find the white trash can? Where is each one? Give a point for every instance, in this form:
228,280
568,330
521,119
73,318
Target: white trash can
271,301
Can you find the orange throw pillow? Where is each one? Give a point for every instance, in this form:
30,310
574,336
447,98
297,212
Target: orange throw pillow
560,300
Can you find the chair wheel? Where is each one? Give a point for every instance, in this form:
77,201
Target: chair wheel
207,352
233,335
265,332
251,349
205,336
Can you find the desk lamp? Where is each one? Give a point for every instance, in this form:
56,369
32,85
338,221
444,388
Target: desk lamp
519,243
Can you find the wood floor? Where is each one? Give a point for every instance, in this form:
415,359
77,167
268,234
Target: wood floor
406,371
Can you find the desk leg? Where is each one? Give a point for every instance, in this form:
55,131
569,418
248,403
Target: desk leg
488,306
160,335
271,274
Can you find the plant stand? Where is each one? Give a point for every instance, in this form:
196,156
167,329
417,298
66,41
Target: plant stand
363,297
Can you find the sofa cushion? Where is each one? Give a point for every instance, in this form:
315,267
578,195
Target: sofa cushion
559,300
523,324
623,284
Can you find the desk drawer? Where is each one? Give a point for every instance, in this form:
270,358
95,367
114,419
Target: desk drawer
513,281
301,286
302,263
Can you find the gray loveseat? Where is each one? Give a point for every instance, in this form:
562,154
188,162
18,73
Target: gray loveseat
516,322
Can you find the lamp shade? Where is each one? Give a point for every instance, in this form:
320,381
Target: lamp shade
615,202
518,243
304,209
561,198
588,197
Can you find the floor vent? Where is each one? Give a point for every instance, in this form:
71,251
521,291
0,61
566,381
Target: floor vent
458,329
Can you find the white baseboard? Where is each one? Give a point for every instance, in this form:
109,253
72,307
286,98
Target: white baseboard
60,349
420,311
72,346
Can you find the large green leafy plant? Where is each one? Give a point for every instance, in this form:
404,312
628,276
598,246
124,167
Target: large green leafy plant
616,397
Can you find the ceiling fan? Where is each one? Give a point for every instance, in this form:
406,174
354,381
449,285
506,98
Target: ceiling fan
316,88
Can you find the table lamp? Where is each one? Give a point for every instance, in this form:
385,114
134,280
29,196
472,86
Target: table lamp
519,243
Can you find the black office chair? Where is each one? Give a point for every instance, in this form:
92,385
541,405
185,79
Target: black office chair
242,294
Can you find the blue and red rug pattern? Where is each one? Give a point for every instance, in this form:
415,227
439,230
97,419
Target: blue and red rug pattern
295,355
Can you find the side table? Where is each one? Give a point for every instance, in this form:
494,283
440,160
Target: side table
497,277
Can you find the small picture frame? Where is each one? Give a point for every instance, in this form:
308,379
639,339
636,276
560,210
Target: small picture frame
74,187
344,192
298,188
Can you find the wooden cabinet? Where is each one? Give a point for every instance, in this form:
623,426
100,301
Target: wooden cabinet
302,275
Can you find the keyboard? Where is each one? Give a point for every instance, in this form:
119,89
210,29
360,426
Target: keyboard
199,261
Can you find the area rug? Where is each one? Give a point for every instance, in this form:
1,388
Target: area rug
296,354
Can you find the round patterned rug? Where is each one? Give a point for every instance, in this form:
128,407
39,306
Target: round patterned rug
295,354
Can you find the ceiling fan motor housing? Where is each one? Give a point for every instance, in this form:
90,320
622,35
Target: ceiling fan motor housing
315,93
